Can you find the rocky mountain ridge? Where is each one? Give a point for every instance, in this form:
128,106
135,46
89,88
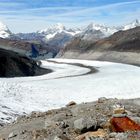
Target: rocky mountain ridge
58,35
51,40
122,46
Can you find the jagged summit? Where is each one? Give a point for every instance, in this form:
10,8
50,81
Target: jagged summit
102,28
59,35
57,27
131,25
95,26
4,31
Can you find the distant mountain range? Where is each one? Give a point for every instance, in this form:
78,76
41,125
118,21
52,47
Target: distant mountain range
54,32
94,32
58,36
55,36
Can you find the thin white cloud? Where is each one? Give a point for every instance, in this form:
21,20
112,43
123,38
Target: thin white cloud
117,13
94,9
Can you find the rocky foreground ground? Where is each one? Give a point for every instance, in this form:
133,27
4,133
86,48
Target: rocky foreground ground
86,121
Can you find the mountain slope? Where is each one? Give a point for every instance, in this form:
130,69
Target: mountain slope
17,46
123,46
94,32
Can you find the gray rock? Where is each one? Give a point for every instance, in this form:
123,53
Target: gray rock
85,123
136,119
57,138
79,124
12,134
93,138
112,135
61,137
121,136
102,99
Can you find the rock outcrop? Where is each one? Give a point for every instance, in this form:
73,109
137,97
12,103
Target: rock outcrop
15,65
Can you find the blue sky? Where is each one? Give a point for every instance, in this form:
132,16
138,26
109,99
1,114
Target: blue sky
32,15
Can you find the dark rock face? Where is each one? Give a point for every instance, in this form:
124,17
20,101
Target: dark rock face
15,65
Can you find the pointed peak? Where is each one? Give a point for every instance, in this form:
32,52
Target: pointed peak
131,25
53,28
136,21
4,31
60,26
3,26
96,26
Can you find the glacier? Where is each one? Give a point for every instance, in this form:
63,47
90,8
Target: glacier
67,82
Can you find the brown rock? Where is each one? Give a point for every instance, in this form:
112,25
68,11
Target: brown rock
2,139
100,133
122,124
71,103
119,111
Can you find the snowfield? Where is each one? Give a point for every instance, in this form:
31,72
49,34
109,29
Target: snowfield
66,83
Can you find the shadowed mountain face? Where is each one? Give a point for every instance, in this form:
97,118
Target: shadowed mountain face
14,65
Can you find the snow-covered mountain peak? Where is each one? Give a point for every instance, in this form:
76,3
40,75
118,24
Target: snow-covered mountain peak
59,26
4,31
131,25
2,26
58,29
95,26
53,29
102,28
137,21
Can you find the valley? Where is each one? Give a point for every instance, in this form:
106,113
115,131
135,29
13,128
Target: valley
54,90
60,67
